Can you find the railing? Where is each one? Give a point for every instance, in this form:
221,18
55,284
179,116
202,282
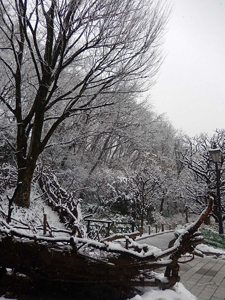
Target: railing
110,224
155,228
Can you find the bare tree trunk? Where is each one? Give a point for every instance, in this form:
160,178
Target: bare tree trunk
162,203
22,194
26,160
104,148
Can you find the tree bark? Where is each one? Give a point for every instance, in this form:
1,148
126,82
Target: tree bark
21,195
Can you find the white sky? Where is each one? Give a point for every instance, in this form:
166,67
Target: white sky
191,84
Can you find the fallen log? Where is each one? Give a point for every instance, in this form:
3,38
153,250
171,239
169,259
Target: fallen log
105,265
186,245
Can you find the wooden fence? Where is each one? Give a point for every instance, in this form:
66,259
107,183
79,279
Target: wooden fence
109,224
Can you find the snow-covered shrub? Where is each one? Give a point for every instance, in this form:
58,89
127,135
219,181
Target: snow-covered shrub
62,201
8,177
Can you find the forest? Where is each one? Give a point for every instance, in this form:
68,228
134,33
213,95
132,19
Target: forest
76,125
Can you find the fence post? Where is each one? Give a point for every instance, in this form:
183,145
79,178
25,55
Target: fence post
127,243
109,223
88,226
156,228
140,230
149,229
162,227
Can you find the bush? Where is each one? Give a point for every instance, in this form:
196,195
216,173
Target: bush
213,238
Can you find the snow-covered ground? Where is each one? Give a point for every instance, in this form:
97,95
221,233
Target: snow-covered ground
33,216
211,251
179,292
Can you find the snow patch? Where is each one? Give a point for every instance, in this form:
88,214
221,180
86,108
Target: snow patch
210,250
179,292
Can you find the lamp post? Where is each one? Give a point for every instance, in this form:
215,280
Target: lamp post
215,155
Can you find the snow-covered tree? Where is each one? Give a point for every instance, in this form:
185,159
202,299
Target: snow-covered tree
199,176
150,185
59,57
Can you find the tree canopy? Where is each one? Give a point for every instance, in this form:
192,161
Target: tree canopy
60,58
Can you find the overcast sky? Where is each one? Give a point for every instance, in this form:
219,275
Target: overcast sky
191,83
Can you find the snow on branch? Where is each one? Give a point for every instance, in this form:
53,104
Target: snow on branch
116,259
190,237
63,202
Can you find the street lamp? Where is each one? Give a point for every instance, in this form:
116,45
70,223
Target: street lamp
216,155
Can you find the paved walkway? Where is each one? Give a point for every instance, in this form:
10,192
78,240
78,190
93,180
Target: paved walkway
203,277
159,240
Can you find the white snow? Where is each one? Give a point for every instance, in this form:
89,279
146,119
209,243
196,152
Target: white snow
208,249
179,292
31,218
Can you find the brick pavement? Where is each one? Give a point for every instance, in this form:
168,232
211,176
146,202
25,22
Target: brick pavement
203,277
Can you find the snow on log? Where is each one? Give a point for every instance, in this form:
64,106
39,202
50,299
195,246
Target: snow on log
108,262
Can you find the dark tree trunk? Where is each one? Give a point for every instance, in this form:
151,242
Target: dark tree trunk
26,163
28,151
21,195
161,204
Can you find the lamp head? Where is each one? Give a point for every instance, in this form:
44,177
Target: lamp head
215,153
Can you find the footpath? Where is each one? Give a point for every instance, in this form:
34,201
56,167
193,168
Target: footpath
203,277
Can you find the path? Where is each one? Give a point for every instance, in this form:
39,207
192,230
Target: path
203,277
159,240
